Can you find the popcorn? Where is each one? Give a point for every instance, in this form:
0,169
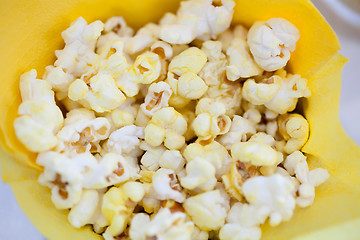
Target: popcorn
213,71
241,64
76,58
157,97
261,137
278,94
270,42
99,92
80,31
83,212
182,76
190,60
37,125
65,176
125,141
151,122
147,67
295,130
172,159
197,19
241,129
143,38
165,185
242,223
82,132
206,210
210,120
112,169
40,119
234,180
200,175
191,86
296,164
119,26
119,203
168,126
163,49
261,93
212,152
113,61
273,195
151,158
256,153
59,81
123,115
164,225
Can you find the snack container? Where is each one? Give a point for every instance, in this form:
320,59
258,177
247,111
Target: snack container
30,33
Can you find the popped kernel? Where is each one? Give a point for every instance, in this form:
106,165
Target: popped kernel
256,153
271,42
210,120
166,186
240,131
168,126
207,210
295,130
100,92
157,97
82,132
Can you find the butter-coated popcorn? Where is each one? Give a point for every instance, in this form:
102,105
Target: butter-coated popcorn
38,124
168,126
241,63
119,26
214,70
143,38
198,19
99,92
82,132
292,88
83,212
150,159
76,58
119,203
296,164
227,93
256,153
271,42
80,31
59,80
125,140
273,194
207,210
172,159
295,130
65,176
164,225
211,119
240,131
212,152
261,93
123,115
200,175
166,186
157,97
112,169
234,180
181,130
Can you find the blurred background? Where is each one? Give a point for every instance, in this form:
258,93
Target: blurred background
343,16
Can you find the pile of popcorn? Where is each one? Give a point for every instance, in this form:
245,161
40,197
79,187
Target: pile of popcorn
182,130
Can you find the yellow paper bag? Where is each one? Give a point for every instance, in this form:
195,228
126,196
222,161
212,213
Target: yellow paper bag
30,33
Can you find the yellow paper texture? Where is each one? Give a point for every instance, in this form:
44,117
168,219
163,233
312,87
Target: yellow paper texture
30,33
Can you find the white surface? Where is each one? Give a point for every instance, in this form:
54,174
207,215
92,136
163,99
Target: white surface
15,226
